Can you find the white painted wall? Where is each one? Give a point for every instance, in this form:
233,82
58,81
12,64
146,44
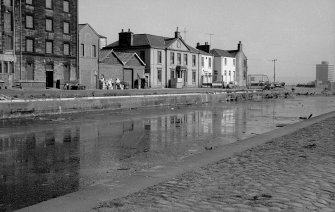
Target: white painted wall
207,69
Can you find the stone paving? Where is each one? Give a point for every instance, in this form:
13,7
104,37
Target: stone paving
295,172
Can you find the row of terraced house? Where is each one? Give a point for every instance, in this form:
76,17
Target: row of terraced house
43,46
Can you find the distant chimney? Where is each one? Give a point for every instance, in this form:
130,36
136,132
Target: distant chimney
324,62
177,34
239,46
126,38
205,48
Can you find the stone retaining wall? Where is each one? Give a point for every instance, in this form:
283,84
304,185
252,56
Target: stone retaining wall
24,108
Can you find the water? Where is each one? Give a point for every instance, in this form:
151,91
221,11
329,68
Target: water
45,158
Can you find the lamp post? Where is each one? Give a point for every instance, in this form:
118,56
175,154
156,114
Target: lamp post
274,70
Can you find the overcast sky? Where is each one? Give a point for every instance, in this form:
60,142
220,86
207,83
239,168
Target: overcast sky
298,33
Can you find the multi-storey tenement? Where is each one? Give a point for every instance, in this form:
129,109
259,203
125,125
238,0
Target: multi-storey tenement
38,42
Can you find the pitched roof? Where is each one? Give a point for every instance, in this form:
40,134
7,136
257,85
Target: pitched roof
81,26
123,57
152,41
204,53
221,53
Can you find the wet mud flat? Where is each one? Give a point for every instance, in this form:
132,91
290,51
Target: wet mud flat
46,157
294,172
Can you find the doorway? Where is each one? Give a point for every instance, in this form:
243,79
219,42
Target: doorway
49,79
129,77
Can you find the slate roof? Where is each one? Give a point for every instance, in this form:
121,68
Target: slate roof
204,53
221,53
123,57
152,41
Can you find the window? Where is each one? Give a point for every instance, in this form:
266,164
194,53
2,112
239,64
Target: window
179,58
194,76
234,62
30,2
7,3
49,47
48,4
225,61
159,57
94,51
49,25
229,73
66,6
66,28
29,22
159,75
5,67
29,45
8,42
194,60
30,71
171,58
172,73
0,68
82,49
185,59
11,67
225,72
66,47
8,22
209,62
202,61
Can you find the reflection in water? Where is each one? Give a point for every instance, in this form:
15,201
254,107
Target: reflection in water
37,166
43,162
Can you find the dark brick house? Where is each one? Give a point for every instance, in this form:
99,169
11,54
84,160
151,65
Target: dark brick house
126,66
41,36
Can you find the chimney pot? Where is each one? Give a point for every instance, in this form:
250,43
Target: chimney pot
206,43
122,30
128,30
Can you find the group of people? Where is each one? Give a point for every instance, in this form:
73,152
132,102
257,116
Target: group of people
109,84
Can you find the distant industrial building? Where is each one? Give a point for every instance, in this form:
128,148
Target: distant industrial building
325,73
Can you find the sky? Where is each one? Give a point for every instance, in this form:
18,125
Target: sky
298,33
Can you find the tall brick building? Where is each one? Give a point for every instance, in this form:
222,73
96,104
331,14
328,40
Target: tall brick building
38,45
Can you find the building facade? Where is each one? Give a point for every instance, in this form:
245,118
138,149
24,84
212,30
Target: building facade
206,64
125,66
325,73
224,67
241,65
170,62
89,49
39,42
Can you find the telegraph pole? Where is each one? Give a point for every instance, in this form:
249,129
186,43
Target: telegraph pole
274,70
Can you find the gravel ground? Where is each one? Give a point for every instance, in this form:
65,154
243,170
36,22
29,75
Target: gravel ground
295,172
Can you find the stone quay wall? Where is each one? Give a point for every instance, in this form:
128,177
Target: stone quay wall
26,108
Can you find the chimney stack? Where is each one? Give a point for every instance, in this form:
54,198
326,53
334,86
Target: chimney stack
239,46
126,39
177,34
205,48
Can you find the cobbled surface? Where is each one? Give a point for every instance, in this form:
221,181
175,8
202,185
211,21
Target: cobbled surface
295,172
